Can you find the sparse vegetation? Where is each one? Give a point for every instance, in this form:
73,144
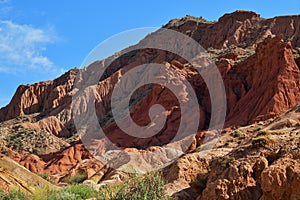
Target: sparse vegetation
262,133
188,32
75,179
260,141
258,128
223,161
238,134
13,195
22,118
72,192
30,140
71,139
148,186
182,21
44,176
81,191
296,56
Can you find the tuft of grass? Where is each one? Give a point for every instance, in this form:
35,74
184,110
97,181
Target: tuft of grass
260,141
80,191
258,128
223,161
238,134
44,176
22,118
44,193
148,186
13,195
262,133
78,178
75,179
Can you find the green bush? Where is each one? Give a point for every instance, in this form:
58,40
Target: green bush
238,134
44,193
22,118
13,195
75,179
79,178
44,176
62,196
148,186
80,191
223,161
72,192
260,141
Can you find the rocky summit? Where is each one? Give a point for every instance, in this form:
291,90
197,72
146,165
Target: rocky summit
256,155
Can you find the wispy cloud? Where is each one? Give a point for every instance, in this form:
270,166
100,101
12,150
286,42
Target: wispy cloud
4,1
22,48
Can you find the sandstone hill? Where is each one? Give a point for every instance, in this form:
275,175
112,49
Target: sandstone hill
15,177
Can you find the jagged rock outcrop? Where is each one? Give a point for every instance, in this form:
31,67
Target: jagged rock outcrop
259,161
240,28
265,85
280,180
187,169
69,162
66,159
40,97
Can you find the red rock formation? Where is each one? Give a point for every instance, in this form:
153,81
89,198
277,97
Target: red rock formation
262,86
240,28
66,159
33,162
73,160
238,169
40,97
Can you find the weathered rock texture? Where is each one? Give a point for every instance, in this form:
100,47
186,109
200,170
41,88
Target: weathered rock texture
241,28
40,97
239,167
259,63
15,177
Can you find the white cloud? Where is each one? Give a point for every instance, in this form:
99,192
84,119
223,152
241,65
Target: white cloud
5,70
22,48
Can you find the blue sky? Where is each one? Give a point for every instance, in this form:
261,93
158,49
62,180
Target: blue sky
40,39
